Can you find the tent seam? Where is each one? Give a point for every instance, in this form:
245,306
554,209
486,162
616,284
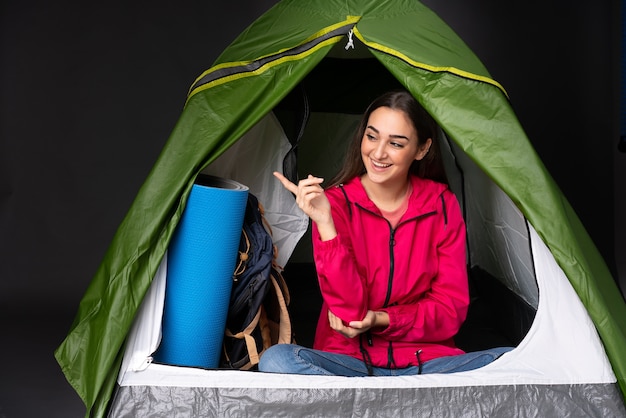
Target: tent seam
229,71
428,67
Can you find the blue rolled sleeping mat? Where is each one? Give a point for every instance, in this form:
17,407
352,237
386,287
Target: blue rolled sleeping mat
200,263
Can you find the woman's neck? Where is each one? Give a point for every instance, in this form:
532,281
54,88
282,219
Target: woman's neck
386,197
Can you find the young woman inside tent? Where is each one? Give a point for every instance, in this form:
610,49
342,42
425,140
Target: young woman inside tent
389,249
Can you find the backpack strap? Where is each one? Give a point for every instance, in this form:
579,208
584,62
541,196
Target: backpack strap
282,295
268,228
243,257
246,335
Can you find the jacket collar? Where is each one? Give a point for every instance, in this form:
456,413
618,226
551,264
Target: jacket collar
424,197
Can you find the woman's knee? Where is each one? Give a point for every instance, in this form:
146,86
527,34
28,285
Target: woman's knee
277,358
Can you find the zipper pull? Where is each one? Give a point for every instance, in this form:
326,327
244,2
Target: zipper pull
419,361
350,43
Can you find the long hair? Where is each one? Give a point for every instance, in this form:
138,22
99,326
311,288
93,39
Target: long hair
430,167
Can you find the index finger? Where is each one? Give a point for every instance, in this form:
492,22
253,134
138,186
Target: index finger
286,183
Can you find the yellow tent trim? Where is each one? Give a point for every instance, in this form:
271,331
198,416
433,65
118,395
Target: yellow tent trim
431,68
321,33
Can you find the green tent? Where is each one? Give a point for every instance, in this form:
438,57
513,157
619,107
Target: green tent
343,53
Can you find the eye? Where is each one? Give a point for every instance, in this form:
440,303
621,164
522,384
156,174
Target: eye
370,137
397,145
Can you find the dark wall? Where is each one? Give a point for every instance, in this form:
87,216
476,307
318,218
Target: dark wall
91,91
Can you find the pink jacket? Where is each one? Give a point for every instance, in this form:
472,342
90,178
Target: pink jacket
416,273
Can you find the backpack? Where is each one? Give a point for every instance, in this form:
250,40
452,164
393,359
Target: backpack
257,315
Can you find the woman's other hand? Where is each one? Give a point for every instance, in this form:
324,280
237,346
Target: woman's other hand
372,320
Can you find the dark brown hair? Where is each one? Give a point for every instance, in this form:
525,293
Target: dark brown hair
430,167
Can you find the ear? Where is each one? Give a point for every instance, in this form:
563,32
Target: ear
424,149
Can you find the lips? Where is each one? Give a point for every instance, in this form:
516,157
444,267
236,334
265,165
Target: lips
379,165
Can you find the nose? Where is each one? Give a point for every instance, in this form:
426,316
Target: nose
380,150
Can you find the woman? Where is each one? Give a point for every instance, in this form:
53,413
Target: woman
389,249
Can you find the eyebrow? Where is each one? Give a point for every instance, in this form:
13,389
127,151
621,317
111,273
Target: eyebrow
391,136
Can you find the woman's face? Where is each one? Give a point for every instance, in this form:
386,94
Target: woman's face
390,145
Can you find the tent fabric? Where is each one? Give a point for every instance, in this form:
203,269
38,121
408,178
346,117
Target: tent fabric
574,401
249,79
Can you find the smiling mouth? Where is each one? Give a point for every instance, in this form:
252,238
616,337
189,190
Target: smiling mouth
379,165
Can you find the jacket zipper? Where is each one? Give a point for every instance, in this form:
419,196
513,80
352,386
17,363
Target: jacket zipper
392,258
392,243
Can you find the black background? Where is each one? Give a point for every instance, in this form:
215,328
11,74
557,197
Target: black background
90,92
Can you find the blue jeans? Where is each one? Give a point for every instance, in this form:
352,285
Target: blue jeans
295,359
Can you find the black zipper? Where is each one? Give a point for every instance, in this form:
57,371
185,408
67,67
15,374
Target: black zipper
392,243
392,258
